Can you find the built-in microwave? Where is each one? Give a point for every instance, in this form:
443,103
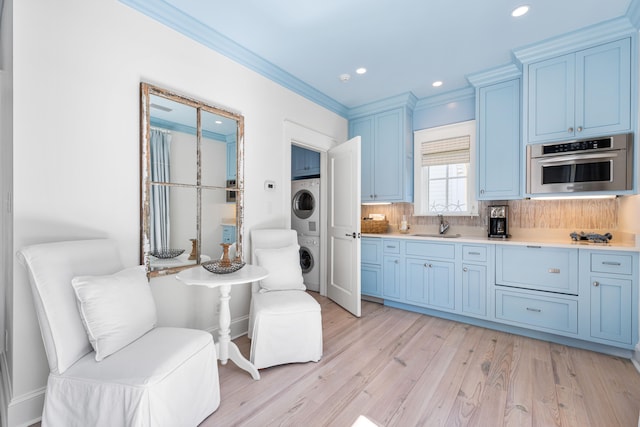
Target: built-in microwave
599,164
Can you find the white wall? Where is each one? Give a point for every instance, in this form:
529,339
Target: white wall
77,69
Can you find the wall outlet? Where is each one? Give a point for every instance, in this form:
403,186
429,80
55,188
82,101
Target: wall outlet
269,185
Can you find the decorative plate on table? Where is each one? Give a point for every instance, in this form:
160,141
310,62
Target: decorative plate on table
166,253
216,266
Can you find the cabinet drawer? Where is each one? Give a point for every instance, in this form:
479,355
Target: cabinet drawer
538,268
371,251
430,250
549,313
391,246
611,263
474,253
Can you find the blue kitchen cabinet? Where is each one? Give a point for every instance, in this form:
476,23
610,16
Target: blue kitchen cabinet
392,262
387,147
304,163
371,266
231,160
228,234
582,94
499,148
474,290
612,282
430,283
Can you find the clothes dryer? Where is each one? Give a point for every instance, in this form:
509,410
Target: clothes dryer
310,261
305,206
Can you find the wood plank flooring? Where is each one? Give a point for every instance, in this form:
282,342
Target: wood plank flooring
405,369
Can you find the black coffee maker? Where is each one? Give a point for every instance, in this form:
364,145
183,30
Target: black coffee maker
498,221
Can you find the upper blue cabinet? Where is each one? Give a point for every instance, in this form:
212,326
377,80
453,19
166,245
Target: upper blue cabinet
387,159
498,145
581,94
304,163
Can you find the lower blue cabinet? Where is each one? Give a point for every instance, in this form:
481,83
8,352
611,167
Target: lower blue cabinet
228,234
474,290
430,283
391,277
611,308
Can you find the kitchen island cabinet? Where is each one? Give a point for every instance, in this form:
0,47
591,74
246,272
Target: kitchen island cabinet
387,159
581,94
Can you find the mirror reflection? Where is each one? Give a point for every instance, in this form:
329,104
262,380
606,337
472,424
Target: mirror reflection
190,180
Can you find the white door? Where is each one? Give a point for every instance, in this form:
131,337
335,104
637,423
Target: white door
343,283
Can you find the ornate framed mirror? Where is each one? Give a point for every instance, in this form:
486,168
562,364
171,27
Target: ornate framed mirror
192,180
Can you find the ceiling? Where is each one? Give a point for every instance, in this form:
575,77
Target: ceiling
405,45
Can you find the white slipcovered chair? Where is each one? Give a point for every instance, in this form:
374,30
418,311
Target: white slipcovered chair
285,322
109,364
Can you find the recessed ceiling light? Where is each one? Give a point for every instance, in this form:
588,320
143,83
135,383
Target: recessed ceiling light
361,70
344,77
437,83
520,10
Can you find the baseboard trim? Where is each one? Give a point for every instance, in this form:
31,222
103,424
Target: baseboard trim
18,411
239,327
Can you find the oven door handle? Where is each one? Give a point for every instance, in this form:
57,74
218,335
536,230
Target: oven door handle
562,159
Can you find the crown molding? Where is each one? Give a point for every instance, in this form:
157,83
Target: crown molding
407,100
458,95
494,75
576,40
177,20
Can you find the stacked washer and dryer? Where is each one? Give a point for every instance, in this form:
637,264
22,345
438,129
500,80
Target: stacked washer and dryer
305,219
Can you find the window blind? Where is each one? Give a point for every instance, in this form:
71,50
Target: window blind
448,151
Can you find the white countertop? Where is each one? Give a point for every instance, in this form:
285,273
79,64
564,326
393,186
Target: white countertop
622,244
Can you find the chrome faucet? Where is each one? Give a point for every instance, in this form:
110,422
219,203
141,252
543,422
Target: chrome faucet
444,225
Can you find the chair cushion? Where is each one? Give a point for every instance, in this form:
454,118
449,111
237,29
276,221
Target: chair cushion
284,302
284,268
115,309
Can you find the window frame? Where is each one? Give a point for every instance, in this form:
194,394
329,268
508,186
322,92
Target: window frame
421,192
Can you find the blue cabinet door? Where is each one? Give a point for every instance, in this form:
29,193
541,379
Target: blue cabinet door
430,283
499,148
388,157
391,277
551,99
474,290
364,128
231,160
371,280
587,93
304,163
611,308
603,89
386,165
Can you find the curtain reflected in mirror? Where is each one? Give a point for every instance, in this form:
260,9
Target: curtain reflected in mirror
191,180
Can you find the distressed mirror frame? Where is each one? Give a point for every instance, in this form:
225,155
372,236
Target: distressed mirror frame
146,91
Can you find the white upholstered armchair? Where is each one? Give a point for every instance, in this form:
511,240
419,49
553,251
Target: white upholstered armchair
285,324
109,363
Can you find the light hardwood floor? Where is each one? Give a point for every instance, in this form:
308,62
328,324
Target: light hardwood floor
405,369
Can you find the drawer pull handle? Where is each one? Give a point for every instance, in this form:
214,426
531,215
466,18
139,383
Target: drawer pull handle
596,284
390,247
554,270
534,247
617,264
537,310
474,253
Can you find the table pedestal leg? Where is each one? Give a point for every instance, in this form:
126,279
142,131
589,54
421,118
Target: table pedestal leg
224,347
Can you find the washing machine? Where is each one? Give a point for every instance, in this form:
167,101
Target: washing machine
310,261
305,206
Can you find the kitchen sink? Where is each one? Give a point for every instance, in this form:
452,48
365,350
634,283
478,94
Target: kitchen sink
442,236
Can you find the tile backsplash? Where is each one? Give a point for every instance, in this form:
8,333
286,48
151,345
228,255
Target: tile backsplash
595,214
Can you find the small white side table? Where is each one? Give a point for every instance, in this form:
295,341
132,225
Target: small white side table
200,277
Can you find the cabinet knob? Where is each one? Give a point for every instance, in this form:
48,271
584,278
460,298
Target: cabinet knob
579,129
481,191
596,284
371,196
465,269
428,265
396,261
570,130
